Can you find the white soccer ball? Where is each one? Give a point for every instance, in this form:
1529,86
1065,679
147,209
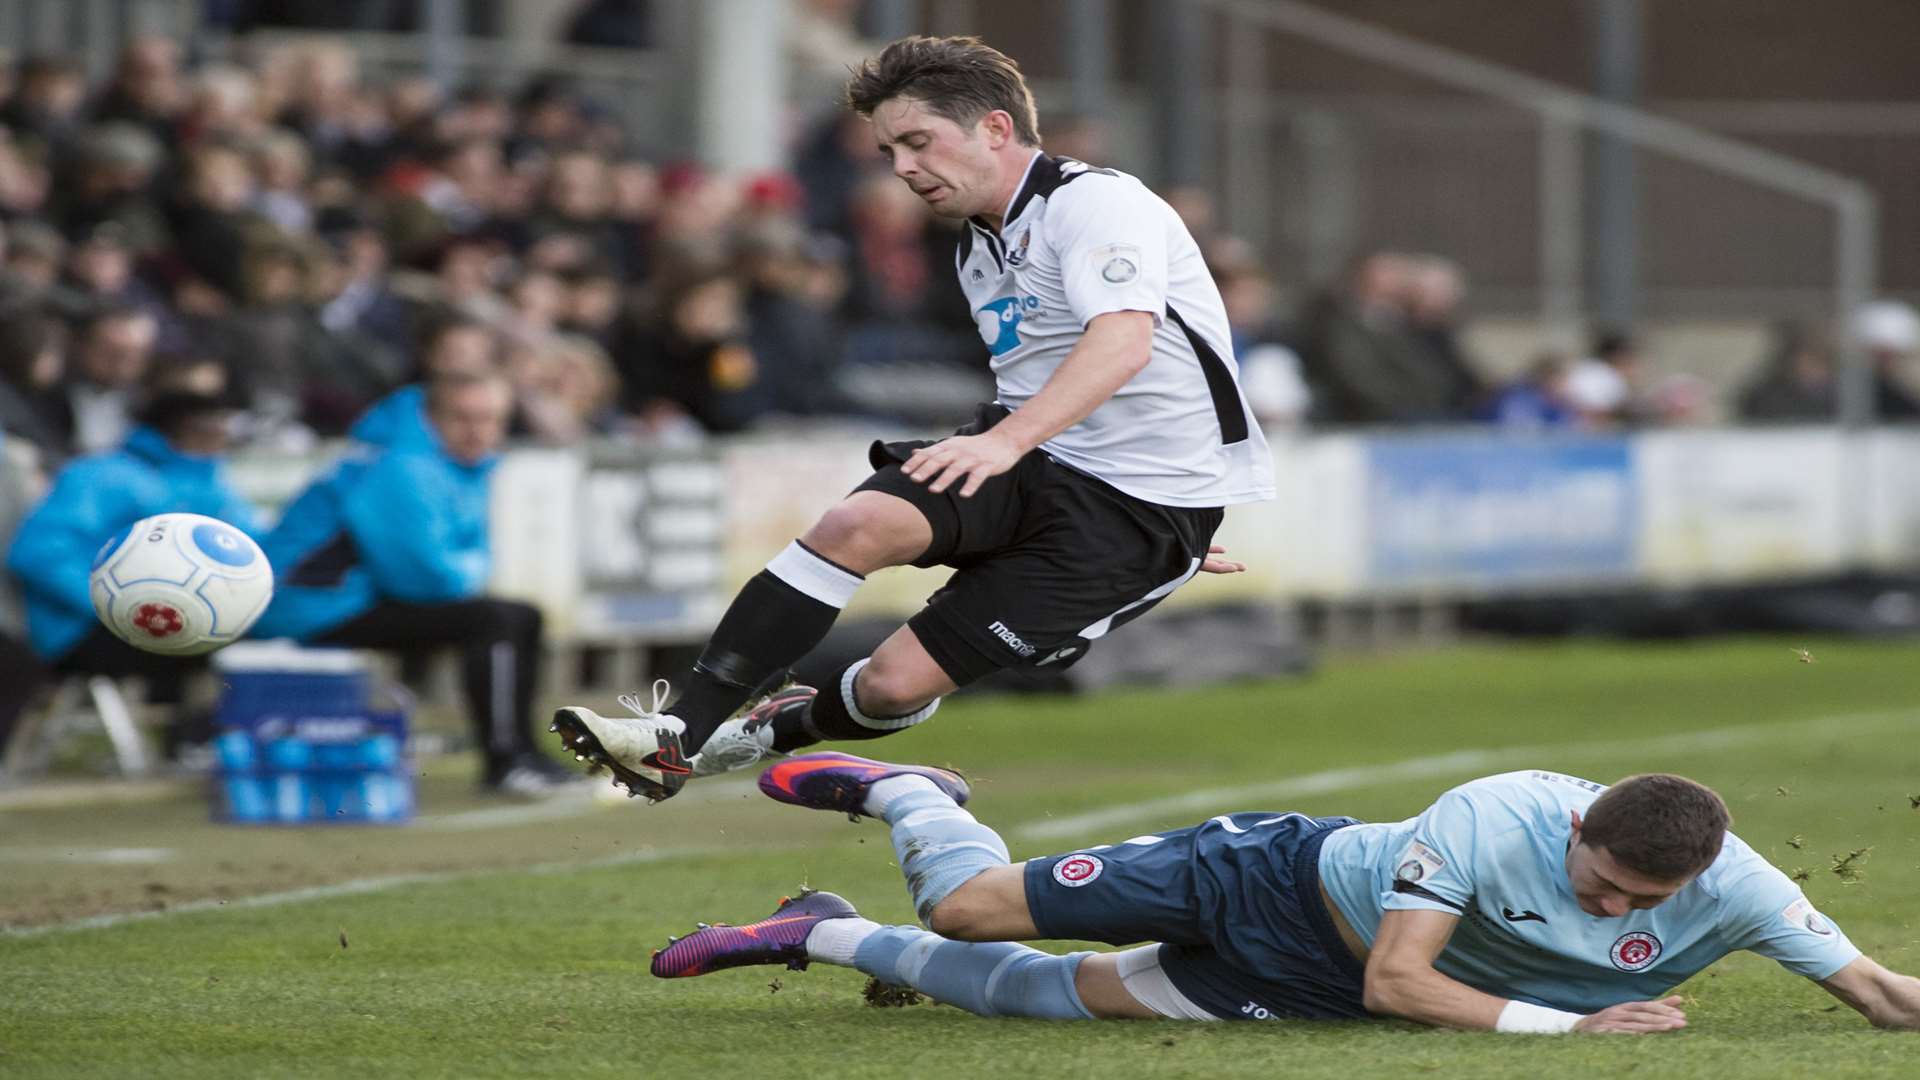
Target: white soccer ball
180,584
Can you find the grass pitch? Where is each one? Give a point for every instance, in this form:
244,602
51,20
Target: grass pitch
482,943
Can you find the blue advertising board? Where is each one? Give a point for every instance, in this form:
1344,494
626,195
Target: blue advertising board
1466,510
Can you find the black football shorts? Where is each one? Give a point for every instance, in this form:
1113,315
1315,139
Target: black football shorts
1046,559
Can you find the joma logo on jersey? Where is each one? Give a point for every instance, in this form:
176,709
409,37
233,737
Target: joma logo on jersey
999,630
999,322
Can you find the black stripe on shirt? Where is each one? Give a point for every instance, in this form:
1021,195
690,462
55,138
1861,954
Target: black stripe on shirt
1227,406
1425,893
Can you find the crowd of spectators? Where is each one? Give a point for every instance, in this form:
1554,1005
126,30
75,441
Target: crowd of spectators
326,240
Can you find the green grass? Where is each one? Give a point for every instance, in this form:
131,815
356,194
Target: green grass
494,969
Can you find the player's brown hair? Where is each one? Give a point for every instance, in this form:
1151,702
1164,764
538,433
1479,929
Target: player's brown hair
960,78
1663,826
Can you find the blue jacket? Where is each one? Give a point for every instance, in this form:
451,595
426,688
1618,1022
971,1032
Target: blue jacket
92,499
398,420
401,520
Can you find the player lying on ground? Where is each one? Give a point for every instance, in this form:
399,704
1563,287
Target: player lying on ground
1085,493
1524,902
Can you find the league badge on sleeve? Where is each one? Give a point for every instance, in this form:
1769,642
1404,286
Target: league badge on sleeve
1418,863
1801,915
1117,264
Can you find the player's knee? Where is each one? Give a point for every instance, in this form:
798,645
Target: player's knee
856,536
887,689
959,917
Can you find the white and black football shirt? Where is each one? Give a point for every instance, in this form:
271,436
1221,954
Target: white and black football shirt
1079,242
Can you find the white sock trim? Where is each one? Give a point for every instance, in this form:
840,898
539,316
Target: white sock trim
878,723
814,576
834,941
882,794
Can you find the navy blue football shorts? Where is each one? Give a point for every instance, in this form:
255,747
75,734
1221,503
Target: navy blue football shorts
1235,902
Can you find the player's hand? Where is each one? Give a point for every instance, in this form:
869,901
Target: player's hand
974,459
1214,564
1636,1018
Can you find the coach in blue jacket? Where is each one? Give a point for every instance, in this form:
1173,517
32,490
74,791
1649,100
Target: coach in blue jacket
388,550
172,462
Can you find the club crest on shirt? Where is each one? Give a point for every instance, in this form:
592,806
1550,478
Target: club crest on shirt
1635,951
1418,863
1077,870
1017,254
1117,264
1801,914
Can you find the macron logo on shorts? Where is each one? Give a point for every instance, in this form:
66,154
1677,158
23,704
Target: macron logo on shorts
999,630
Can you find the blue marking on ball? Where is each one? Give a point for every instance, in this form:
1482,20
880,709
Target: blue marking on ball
111,546
222,544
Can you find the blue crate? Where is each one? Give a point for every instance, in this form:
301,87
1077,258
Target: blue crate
300,744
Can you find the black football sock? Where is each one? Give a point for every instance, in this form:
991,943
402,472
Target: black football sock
778,617
834,715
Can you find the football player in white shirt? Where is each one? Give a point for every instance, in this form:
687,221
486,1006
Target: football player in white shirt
1086,493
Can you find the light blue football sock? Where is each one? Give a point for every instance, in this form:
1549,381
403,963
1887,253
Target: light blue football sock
940,846
987,978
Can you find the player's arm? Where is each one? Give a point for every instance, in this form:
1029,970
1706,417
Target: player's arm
1111,351
1402,981
1886,998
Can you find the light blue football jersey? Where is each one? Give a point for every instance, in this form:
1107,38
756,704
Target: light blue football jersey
1494,852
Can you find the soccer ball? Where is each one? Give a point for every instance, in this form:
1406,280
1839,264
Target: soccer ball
180,584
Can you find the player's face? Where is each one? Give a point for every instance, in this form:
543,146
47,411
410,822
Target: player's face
1608,890
953,169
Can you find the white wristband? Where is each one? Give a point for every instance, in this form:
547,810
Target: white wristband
1519,1017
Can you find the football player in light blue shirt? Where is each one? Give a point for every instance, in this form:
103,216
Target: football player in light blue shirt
1570,898
1530,902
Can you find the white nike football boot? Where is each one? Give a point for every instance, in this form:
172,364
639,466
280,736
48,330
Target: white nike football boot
747,739
642,751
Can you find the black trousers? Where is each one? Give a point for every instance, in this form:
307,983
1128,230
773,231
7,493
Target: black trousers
99,653
499,643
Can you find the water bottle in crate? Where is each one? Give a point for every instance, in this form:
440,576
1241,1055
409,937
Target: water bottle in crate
301,741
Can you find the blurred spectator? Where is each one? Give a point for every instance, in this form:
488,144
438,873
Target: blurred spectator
389,551
1889,332
1435,289
1270,373
794,340
834,157
1362,361
693,359
24,179
1608,389
902,281
110,180
33,360
36,252
1078,136
171,462
281,163
47,101
1796,381
573,226
223,103
146,90
211,224
566,388
1536,403
453,196
112,353
592,302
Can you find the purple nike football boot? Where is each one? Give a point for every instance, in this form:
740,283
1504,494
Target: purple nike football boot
834,781
780,938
